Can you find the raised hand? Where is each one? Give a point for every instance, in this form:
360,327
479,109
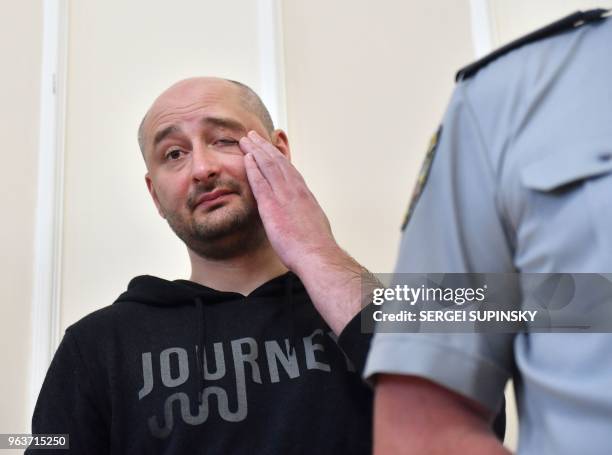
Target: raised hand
300,233
293,219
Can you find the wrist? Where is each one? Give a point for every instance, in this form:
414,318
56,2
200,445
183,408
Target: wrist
333,280
319,258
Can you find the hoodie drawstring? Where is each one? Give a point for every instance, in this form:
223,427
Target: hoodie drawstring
289,300
200,349
201,333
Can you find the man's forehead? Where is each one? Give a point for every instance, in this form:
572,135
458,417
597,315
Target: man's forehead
192,93
190,96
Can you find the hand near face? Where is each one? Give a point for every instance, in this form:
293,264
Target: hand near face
293,219
300,233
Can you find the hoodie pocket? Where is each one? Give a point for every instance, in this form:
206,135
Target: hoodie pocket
568,220
561,169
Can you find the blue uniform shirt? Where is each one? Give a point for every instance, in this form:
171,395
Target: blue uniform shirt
521,180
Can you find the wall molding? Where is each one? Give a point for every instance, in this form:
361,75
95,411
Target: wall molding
483,31
271,60
46,292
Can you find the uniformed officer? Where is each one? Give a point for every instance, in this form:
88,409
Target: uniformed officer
519,179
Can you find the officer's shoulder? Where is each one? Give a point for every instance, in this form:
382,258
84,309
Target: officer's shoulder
567,23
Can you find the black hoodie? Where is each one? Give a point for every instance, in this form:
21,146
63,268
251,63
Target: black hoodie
131,378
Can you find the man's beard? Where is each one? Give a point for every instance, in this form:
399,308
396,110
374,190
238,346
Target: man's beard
235,234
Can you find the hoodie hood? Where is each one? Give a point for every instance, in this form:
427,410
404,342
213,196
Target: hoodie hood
151,290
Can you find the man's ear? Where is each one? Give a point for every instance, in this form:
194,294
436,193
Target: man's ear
281,142
153,194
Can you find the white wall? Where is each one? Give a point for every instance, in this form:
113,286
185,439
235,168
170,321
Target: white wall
20,48
367,83
514,18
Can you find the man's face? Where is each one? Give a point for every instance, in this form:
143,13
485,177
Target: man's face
196,172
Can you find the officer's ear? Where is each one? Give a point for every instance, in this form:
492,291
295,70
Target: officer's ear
153,194
279,139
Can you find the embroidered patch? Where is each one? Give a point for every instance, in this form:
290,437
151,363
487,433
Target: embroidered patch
423,175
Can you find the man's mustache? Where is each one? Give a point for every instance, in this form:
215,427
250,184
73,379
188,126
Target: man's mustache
199,191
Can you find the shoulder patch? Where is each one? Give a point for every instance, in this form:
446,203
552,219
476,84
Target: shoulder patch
570,22
423,175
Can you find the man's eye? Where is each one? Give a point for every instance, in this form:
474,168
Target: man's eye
227,142
173,154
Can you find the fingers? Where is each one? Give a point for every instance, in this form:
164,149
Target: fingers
265,145
260,186
271,162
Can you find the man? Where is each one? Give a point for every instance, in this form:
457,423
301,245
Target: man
242,357
520,180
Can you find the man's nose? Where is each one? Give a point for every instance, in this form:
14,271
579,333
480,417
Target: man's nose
205,164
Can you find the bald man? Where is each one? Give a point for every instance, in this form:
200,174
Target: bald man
259,351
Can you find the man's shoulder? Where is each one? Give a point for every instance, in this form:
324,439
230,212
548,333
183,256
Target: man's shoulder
97,321
532,41
126,303
503,89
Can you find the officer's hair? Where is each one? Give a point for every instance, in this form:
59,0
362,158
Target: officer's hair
249,99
